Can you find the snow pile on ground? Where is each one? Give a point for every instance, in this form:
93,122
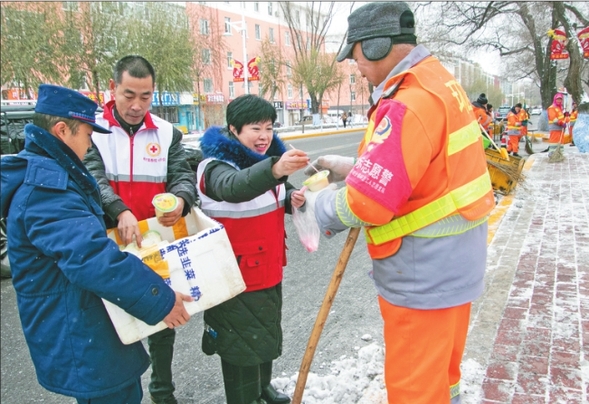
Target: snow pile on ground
350,381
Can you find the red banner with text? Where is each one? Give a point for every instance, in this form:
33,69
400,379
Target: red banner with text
583,36
558,49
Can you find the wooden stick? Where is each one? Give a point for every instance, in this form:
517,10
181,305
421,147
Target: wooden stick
501,151
323,313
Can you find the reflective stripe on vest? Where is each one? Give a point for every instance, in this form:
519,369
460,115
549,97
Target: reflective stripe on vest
455,390
433,212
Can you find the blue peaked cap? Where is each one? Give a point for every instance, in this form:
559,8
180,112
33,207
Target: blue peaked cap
67,103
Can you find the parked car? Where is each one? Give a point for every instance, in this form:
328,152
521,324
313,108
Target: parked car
536,111
307,120
502,112
13,120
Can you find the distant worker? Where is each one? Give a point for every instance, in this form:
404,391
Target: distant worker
479,108
345,119
572,119
514,126
557,122
524,118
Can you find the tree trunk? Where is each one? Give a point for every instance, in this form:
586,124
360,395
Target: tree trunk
96,85
572,81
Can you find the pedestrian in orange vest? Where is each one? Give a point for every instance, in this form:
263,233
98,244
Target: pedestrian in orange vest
523,118
572,119
556,122
421,189
514,126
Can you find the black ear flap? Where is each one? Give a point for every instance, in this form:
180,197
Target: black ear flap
376,48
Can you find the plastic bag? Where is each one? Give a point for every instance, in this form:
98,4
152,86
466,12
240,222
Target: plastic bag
307,227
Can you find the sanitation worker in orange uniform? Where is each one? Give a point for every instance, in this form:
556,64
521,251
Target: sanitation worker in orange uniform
556,122
421,190
572,119
514,127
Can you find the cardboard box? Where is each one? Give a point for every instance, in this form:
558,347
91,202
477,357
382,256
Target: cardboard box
200,262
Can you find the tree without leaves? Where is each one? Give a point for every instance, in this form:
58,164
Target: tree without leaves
517,30
272,64
163,38
88,46
28,50
311,67
208,46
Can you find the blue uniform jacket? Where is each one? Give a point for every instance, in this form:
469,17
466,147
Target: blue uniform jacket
62,264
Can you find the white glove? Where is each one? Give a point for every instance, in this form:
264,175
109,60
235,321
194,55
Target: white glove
338,166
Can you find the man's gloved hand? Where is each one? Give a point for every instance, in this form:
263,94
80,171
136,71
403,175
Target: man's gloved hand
338,166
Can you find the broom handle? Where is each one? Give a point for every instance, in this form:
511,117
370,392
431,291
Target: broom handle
323,312
488,137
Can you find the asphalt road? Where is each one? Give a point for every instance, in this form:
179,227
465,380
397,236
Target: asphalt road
198,377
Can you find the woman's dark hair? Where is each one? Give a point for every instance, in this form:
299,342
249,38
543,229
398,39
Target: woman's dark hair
136,66
247,109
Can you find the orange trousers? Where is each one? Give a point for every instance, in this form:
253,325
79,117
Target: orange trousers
555,136
513,144
423,351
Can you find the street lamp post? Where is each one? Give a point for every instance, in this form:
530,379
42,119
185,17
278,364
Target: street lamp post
241,26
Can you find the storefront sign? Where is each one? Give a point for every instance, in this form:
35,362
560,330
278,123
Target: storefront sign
92,96
215,98
296,105
168,99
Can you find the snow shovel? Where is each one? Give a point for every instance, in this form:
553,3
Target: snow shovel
336,278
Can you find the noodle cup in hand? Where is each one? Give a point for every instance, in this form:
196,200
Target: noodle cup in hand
164,203
317,181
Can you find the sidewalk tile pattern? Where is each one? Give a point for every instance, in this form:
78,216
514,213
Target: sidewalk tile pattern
529,335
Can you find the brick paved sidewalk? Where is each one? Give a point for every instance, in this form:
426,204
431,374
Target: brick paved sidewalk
529,336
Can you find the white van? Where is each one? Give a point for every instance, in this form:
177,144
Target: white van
333,115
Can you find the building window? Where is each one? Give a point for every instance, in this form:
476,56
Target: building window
298,16
287,38
353,96
288,71
206,56
208,85
231,90
289,91
270,8
258,33
352,79
271,35
229,59
204,27
257,6
228,25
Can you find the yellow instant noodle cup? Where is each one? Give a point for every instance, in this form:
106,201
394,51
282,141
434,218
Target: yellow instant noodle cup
317,181
164,203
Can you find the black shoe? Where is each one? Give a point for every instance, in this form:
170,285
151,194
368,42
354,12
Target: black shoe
169,400
546,150
515,154
572,144
271,396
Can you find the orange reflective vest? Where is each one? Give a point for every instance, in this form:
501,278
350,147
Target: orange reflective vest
434,162
482,117
556,118
514,123
573,117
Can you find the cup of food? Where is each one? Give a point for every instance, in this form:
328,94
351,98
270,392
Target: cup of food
164,203
318,181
